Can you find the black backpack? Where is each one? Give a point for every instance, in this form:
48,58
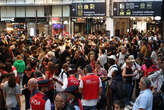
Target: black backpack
118,73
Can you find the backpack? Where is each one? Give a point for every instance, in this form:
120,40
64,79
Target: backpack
118,84
118,72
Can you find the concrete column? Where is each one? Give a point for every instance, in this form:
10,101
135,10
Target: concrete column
110,25
70,25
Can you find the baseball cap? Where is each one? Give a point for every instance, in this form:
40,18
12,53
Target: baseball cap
72,89
112,57
43,83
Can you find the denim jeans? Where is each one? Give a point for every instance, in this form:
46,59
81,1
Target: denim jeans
20,75
89,107
129,88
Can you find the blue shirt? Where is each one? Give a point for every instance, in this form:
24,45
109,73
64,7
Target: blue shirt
144,100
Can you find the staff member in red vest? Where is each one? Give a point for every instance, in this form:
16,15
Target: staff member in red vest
90,87
39,101
71,81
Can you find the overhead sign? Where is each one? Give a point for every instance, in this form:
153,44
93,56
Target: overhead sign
88,9
150,8
7,19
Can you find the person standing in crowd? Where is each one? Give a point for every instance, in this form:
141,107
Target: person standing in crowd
42,67
61,102
28,75
112,65
39,101
143,48
74,97
121,56
102,57
145,100
92,60
118,105
59,76
32,89
157,78
128,74
71,80
11,92
148,67
19,64
90,88
78,59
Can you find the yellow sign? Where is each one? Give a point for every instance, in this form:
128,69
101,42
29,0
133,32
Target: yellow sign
128,12
80,6
92,6
86,7
122,12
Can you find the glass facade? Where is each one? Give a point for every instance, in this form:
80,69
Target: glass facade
43,2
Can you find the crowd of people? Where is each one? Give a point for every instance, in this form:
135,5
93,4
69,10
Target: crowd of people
82,72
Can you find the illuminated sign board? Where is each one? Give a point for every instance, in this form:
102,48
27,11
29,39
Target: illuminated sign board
88,9
150,8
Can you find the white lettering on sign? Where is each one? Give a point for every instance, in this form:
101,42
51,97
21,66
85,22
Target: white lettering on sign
35,102
91,82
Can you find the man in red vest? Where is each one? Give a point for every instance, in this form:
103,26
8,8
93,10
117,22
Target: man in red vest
39,101
90,87
71,81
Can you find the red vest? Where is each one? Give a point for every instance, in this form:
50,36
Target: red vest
72,81
38,101
150,69
90,87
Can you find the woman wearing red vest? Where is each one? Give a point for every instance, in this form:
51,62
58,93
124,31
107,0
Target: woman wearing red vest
90,88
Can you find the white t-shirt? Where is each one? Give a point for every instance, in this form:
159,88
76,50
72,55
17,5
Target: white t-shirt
102,59
121,58
48,105
62,76
111,69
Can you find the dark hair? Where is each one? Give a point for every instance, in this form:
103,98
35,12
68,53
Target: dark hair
12,81
111,61
120,103
88,68
146,82
103,51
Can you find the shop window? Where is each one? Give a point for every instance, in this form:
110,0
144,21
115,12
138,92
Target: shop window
40,11
57,11
10,11
3,2
3,12
49,1
10,1
39,1
29,1
19,1
77,0
30,12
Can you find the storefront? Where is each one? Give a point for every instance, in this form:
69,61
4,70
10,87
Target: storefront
60,20
23,19
88,17
136,15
